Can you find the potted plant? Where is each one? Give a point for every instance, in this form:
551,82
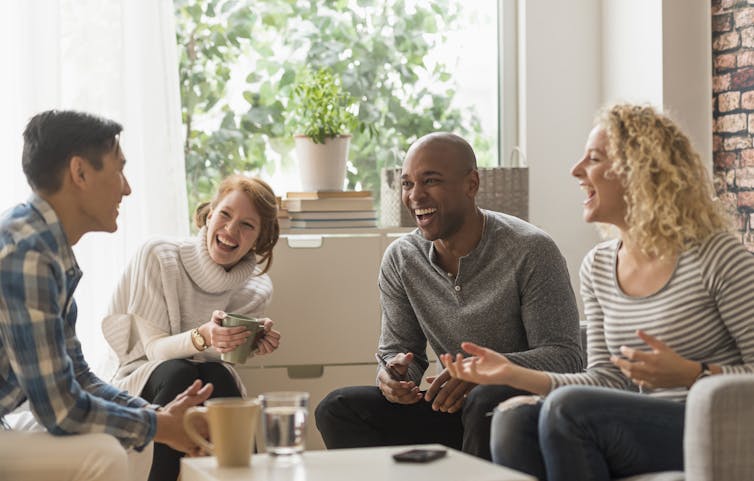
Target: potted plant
321,117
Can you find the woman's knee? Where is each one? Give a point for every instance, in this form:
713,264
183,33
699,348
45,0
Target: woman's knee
515,418
171,378
224,382
568,409
513,436
570,402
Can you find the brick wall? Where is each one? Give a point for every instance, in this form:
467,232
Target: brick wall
733,109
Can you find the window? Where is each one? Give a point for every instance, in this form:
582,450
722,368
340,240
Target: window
415,66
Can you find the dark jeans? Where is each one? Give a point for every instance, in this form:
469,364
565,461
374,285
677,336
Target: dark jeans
590,433
166,382
360,416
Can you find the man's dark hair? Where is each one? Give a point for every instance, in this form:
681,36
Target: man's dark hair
51,138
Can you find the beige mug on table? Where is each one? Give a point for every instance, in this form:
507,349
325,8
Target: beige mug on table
232,424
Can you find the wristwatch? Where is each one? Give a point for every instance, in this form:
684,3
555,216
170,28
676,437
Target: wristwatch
705,371
198,340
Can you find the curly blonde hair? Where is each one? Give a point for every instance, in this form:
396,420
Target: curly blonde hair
670,198
263,199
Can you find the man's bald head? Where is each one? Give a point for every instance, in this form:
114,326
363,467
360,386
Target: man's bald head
443,140
439,183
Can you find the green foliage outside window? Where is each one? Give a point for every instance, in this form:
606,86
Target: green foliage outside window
378,50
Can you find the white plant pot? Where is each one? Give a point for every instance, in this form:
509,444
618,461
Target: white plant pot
322,166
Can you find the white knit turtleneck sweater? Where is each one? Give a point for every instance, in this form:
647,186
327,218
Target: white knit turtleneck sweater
170,287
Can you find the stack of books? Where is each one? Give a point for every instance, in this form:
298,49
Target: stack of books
284,220
331,209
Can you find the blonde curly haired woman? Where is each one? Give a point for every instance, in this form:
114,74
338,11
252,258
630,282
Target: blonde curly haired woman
667,302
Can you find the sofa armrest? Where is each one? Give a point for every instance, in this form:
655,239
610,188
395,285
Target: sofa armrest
719,430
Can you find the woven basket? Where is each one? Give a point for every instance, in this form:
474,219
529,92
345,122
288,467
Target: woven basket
502,189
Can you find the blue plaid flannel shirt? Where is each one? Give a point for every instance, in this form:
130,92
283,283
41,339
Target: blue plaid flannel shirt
40,355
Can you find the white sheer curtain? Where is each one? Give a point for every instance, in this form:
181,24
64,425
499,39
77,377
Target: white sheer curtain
118,59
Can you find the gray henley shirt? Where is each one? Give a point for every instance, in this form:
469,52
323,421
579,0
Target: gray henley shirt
512,294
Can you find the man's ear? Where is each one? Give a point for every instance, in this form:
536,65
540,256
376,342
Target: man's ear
77,170
473,186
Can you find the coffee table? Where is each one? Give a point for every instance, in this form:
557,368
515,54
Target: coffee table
364,464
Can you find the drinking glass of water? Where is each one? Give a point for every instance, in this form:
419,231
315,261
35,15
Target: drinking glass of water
284,416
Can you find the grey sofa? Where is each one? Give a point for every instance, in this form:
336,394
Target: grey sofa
719,434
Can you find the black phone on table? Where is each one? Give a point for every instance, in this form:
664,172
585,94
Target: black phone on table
419,455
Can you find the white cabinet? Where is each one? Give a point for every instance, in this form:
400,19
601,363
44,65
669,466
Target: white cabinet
326,306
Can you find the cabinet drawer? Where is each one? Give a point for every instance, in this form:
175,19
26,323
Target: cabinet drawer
325,301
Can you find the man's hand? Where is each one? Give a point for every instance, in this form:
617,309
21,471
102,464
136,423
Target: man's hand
447,394
400,392
170,418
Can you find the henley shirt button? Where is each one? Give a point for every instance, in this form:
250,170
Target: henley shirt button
458,288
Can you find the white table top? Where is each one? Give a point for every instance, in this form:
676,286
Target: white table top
364,464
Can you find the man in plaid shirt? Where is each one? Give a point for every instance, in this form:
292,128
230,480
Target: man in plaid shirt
74,165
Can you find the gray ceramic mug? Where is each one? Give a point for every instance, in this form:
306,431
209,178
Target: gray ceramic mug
242,352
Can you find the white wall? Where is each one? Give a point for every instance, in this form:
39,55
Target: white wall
579,55
687,69
660,52
632,54
560,80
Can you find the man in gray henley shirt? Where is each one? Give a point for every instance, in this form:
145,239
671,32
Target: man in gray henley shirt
465,274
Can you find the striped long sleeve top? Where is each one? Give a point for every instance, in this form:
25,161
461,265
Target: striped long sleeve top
705,312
